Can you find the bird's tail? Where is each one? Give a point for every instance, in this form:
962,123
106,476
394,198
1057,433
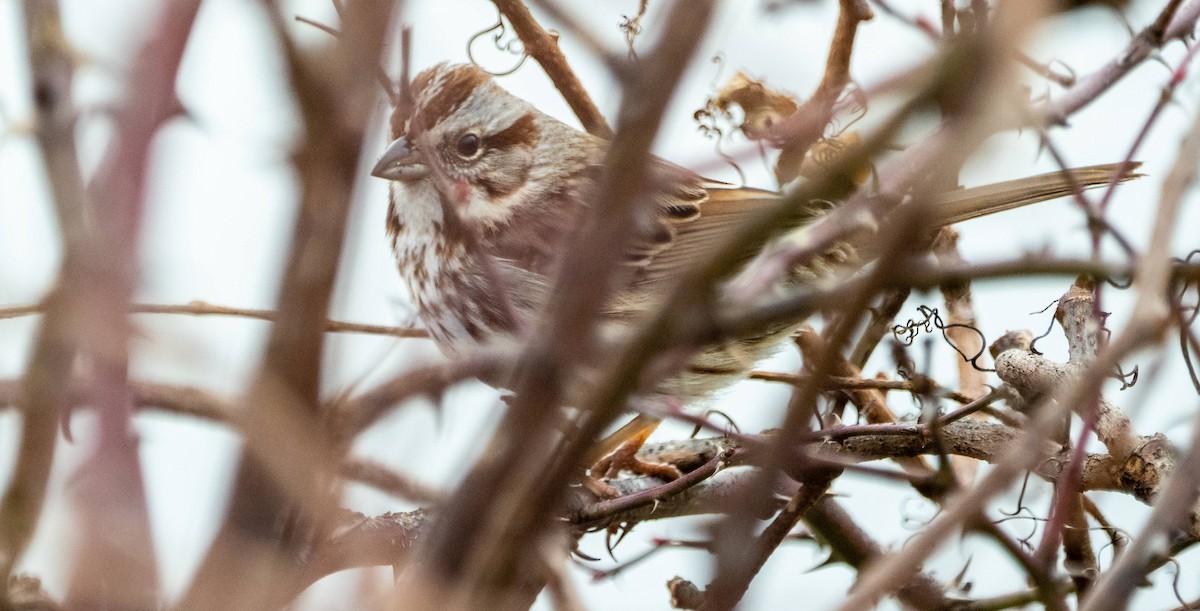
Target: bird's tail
966,204
637,430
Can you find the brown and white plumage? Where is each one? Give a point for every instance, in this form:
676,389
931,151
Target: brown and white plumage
487,193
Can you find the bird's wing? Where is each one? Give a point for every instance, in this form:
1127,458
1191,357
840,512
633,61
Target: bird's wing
689,227
693,239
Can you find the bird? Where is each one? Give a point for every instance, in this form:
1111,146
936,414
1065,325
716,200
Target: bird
486,193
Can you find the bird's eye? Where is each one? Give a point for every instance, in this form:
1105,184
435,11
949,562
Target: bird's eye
468,145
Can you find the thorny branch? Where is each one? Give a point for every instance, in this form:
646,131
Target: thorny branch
1176,506
100,270
334,96
53,354
1146,325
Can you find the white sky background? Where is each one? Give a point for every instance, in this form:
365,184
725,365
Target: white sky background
222,199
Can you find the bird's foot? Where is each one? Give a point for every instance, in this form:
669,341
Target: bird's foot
625,458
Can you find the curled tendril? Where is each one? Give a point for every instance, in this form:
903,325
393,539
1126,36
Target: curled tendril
1020,498
1127,379
1049,328
1187,318
708,123
1121,283
932,319
906,333
833,142
1175,573
1024,514
512,47
1183,288
631,27
1184,347
908,517
857,111
733,426
1117,539
719,60
733,163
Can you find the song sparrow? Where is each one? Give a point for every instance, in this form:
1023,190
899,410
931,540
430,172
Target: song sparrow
486,193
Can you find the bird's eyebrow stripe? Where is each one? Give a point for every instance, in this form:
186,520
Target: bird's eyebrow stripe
523,131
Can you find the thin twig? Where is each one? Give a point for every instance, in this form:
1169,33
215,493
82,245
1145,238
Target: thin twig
381,478
201,308
921,386
544,48
1181,20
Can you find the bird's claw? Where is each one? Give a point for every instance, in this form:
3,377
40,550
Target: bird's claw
625,458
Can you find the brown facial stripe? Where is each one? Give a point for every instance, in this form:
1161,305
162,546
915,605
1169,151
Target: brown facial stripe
393,222
399,120
455,86
714,371
523,131
451,228
496,188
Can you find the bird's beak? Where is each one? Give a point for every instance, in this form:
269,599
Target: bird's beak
400,162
